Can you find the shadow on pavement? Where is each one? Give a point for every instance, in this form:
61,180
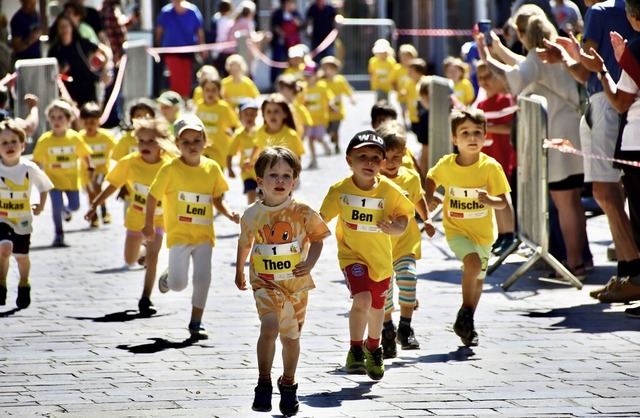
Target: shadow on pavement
123,269
9,312
463,353
335,399
124,316
158,344
590,318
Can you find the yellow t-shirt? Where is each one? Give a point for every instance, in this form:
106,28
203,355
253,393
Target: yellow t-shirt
101,145
463,214
280,237
286,137
301,117
359,239
463,90
125,146
197,94
233,93
381,73
410,241
338,86
400,79
407,160
295,71
138,175
187,195
219,121
316,100
59,155
243,143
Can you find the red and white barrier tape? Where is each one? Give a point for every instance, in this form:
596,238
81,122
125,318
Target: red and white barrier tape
156,52
507,111
565,146
8,78
115,92
438,32
331,37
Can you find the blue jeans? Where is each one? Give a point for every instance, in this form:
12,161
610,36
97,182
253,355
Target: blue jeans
57,204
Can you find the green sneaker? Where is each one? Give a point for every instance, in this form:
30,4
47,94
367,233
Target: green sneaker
374,363
355,361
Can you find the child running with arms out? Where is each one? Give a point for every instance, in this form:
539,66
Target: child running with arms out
244,143
475,185
406,247
286,236
370,208
189,187
137,171
57,152
279,126
237,86
17,175
101,143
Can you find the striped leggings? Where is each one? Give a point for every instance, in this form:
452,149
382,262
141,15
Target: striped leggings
406,278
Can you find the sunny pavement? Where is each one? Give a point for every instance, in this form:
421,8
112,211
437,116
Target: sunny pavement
81,350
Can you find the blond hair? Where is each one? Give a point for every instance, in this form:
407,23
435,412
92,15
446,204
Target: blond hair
538,29
61,105
162,134
409,50
236,59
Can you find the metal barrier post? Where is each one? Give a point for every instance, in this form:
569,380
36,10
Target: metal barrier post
138,74
533,209
39,77
440,143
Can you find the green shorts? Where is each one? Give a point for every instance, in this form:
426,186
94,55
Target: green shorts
463,246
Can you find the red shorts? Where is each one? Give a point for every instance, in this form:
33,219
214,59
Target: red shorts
180,68
358,281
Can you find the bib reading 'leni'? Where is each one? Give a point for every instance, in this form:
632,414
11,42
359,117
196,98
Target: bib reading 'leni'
276,261
195,208
361,213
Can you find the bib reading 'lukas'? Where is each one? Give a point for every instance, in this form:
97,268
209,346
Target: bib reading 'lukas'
361,213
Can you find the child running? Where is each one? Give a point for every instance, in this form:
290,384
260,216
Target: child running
137,171
101,143
475,185
141,108
17,175
189,187
279,127
381,68
237,86
57,152
318,98
406,247
290,87
244,143
287,240
339,86
369,208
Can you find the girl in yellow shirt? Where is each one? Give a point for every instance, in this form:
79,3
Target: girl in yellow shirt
244,143
318,98
290,88
406,53
137,170
237,86
339,86
279,126
381,67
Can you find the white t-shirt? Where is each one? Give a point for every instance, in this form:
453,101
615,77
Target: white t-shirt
631,133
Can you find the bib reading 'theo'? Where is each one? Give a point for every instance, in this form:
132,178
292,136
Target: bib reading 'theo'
276,261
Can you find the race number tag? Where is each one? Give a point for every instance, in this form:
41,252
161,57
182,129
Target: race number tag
195,208
98,154
361,213
139,202
62,157
463,204
276,261
14,205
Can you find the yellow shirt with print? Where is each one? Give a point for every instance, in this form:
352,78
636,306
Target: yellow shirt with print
137,175
234,92
317,100
219,121
301,117
400,79
125,146
187,197
381,73
286,137
463,214
410,241
59,155
339,86
463,90
101,145
359,239
243,143
408,160
279,238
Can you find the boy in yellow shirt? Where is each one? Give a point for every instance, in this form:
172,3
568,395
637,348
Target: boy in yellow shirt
189,187
381,68
245,143
237,86
339,86
406,247
101,143
406,53
475,185
219,119
318,98
370,208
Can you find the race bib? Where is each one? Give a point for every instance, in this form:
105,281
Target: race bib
195,208
98,154
361,213
139,201
15,206
276,261
62,157
463,204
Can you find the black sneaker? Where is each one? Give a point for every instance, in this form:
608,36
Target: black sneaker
406,338
145,306
197,331
633,312
262,398
24,297
464,328
3,295
389,349
58,242
289,404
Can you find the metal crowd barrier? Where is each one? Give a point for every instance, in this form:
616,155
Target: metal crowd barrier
357,37
439,127
533,208
138,74
39,77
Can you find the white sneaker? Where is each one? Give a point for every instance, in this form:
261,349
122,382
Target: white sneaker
163,281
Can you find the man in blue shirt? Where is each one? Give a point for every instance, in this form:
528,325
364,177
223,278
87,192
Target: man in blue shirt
25,31
321,17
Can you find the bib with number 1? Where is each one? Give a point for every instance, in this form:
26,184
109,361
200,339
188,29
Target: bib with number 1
195,208
276,261
464,204
361,213
62,157
98,153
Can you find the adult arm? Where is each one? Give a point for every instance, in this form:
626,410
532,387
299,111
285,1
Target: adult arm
620,100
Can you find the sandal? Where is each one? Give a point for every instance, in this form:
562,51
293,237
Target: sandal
579,271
